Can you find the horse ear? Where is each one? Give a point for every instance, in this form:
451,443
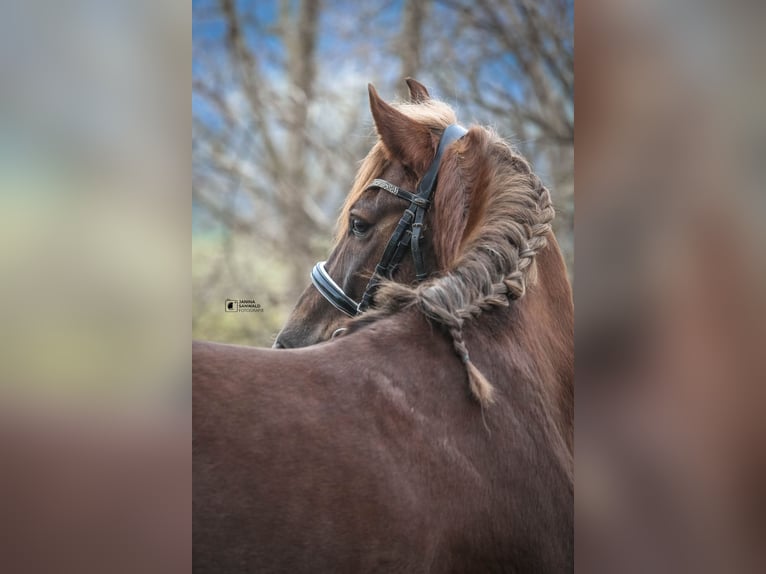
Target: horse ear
418,92
407,140
460,201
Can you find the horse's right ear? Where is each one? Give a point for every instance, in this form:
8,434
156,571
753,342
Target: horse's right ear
407,140
418,92
461,199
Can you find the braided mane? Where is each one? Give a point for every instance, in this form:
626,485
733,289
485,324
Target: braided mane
495,257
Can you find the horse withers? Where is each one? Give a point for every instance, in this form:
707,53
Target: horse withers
434,434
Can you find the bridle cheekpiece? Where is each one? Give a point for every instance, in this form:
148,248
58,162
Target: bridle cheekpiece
408,233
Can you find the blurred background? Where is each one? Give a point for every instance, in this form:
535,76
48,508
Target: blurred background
670,389
281,122
95,212
95,361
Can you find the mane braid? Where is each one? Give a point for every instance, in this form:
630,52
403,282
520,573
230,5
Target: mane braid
493,268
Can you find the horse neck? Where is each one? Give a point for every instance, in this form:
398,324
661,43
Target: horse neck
535,334
553,314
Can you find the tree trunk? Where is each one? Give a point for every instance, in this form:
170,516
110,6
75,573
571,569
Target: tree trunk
300,40
410,41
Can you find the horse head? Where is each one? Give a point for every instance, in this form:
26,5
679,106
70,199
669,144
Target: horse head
408,137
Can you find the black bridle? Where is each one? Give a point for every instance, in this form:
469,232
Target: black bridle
408,233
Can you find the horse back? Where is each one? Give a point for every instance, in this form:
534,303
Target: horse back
362,455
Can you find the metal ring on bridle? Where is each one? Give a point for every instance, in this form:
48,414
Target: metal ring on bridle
338,332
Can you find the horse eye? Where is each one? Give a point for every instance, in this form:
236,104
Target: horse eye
360,227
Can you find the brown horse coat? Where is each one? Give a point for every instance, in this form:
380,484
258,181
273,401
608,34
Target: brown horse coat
367,454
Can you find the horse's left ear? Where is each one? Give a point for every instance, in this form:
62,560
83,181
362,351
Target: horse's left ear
418,92
407,140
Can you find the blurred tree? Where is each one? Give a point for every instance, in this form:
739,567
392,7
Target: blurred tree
269,168
510,63
272,164
413,17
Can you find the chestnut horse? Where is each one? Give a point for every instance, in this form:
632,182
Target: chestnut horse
434,434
